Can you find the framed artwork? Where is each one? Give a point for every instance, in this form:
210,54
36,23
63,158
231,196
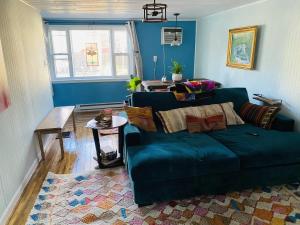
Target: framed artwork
4,93
241,47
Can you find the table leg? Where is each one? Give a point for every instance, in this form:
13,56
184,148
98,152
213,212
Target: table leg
39,135
121,141
61,142
97,146
74,121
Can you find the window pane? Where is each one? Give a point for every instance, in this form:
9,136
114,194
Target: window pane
59,42
61,64
91,53
122,65
120,41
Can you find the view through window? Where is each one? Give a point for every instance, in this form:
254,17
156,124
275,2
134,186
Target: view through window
87,53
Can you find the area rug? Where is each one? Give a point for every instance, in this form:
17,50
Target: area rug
105,197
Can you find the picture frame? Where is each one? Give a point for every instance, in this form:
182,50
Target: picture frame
241,47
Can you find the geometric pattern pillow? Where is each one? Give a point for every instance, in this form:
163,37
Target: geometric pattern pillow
174,120
141,117
197,124
260,116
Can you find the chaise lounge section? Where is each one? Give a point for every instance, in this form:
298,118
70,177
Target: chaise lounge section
180,165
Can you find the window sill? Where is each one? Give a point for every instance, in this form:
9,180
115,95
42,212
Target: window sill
92,80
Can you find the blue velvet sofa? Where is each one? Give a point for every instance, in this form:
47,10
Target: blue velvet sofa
173,166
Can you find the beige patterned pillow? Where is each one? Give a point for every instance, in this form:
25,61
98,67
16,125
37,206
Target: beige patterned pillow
141,117
175,120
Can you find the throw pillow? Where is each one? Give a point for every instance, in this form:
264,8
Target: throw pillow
261,116
198,124
141,117
175,120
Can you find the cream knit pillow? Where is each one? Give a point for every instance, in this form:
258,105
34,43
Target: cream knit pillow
175,120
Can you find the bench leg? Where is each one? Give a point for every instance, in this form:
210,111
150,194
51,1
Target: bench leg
39,135
61,142
74,121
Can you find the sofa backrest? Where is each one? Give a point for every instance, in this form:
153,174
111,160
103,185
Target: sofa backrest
162,101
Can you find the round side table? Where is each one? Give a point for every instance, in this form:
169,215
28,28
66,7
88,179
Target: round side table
117,122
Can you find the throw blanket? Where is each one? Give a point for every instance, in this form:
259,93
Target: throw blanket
194,90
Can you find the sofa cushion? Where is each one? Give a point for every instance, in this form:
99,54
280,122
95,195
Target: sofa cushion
258,115
173,156
269,148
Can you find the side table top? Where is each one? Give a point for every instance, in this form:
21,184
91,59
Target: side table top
117,121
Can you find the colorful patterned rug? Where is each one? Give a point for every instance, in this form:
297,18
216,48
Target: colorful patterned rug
105,197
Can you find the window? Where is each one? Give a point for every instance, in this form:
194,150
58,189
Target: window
85,52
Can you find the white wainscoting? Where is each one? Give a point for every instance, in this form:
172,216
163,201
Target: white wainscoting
21,33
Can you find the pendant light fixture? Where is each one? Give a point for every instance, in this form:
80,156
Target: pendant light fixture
176,41
155,12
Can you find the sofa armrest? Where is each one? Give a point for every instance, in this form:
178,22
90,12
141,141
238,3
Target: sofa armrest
283,123
132,135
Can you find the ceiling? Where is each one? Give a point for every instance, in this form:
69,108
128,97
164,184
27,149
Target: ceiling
129,9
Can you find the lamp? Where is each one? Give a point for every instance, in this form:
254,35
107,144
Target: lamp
155,12
176,42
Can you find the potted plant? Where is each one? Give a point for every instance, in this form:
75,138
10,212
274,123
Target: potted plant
176,71
133,83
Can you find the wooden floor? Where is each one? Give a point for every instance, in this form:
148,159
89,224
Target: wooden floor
79,152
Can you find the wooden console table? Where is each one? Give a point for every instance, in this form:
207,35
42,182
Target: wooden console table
54,123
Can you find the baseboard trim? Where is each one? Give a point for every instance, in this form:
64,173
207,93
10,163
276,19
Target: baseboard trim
15,199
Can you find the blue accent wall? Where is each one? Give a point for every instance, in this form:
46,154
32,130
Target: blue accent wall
149,36
88,92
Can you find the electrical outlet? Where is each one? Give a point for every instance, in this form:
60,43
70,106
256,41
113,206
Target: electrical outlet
155,58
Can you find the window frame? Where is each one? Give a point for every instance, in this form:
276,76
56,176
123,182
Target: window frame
72,78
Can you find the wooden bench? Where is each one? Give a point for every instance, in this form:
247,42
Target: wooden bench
54,122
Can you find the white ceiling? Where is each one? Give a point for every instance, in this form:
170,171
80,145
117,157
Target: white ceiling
130,9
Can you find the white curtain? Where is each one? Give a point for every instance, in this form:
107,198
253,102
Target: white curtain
137,58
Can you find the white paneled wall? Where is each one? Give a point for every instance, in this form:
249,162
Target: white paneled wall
2,201
277,74
21,33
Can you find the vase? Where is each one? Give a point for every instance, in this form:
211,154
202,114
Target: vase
176,77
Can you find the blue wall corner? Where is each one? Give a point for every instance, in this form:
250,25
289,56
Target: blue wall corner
149,35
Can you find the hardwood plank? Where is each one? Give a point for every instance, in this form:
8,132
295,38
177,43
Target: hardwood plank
79,153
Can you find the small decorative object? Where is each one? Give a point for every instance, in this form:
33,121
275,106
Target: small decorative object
176,42
241,47
4,93
155,12
164,79
104,118
176,71
133,83
92,54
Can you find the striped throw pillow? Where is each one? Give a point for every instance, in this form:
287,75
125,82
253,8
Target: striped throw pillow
175,120
261,116
141,117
